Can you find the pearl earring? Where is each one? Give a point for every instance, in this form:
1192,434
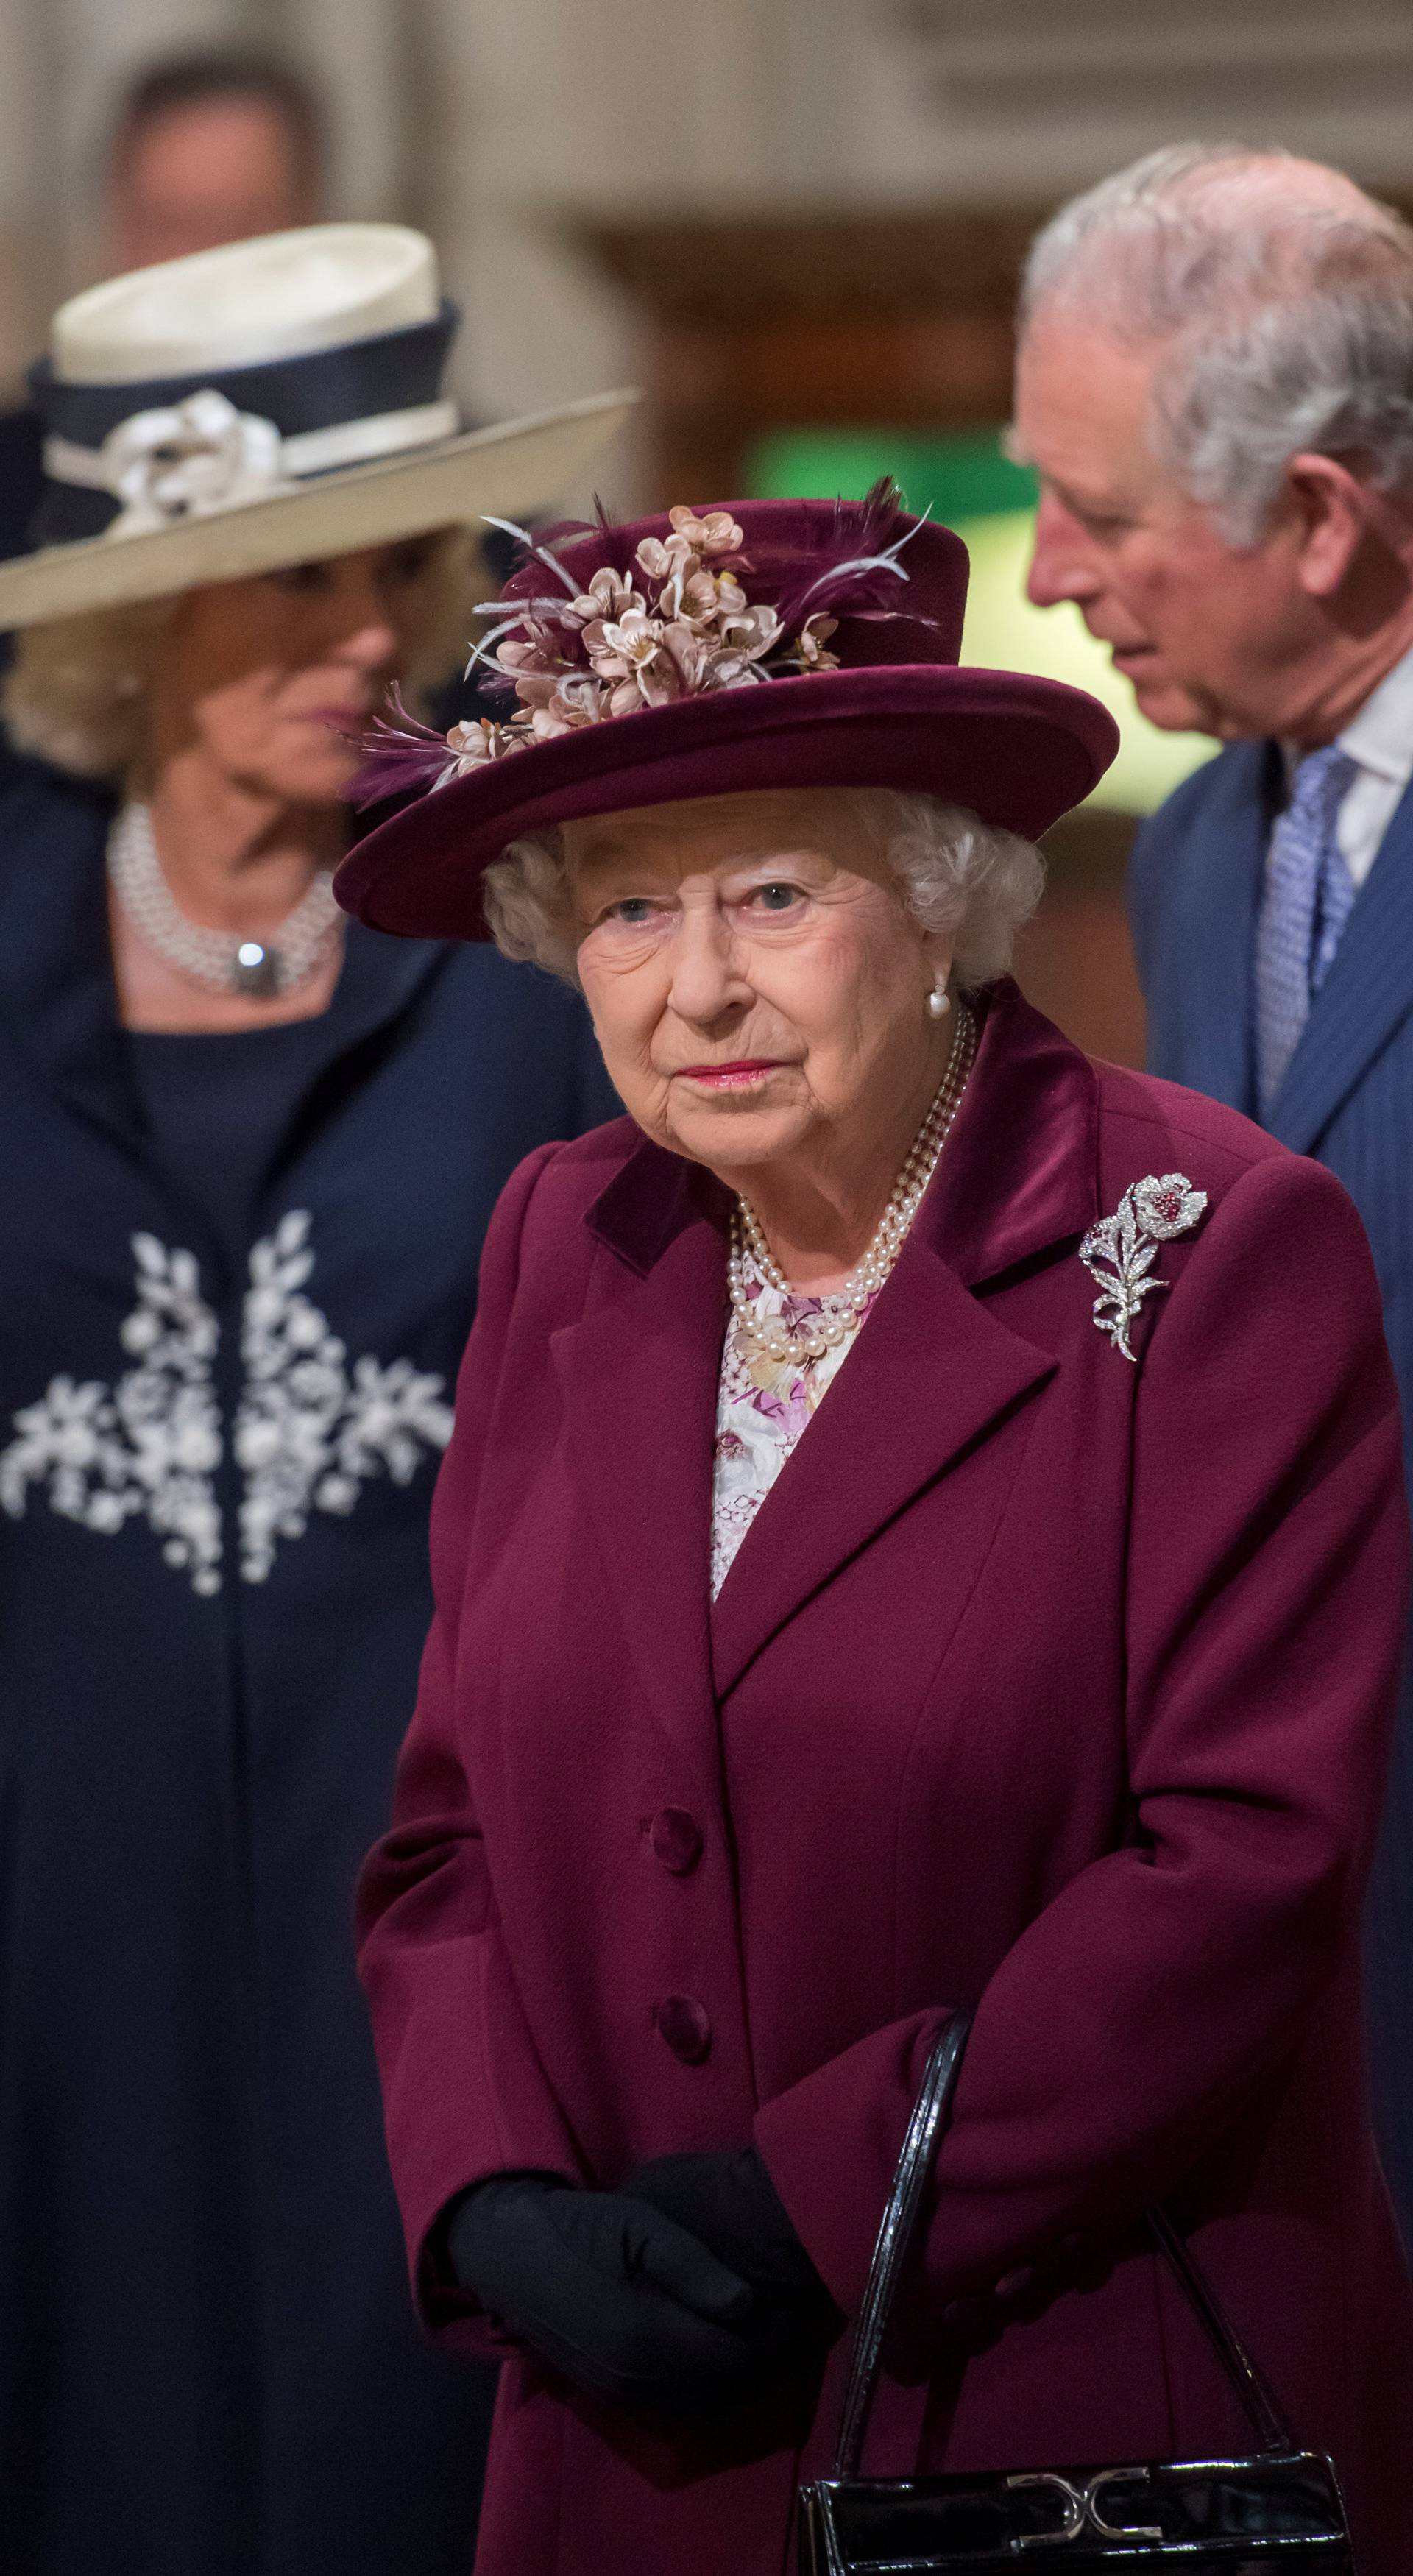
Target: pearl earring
939,1001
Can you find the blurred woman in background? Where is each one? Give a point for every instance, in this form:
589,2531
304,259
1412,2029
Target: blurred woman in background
250,1153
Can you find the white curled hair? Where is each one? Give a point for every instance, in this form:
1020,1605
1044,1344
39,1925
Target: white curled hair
959,878
1287,297
77,692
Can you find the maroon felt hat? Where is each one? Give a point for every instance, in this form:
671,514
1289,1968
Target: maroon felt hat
762,644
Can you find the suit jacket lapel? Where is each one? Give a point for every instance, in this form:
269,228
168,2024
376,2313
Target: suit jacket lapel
1209,929
1368,991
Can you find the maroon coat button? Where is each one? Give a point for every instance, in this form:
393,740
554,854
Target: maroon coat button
682,2022
676,1839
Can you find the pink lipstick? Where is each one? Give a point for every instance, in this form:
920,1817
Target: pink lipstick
729,1077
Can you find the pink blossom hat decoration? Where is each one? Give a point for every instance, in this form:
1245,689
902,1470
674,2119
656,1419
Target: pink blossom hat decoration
707,652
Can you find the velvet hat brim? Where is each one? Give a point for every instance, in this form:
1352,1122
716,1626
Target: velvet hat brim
1017,751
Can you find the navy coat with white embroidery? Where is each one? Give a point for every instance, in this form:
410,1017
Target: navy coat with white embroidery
207,2359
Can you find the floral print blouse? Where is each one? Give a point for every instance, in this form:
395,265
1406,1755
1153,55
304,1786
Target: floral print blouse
762,1407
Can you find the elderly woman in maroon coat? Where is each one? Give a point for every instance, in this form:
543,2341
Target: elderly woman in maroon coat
846,1614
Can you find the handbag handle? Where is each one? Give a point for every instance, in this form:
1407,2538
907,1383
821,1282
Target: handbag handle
899,2226
895,2235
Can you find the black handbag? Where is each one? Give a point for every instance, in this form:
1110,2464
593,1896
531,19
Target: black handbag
1279,2508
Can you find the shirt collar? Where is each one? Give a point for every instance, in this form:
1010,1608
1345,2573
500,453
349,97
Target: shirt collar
1380,737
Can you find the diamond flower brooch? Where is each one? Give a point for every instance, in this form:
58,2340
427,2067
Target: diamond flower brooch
1120,1251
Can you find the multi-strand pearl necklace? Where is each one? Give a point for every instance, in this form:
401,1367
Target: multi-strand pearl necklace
217,959
839,1315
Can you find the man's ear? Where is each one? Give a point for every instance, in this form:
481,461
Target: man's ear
1331,511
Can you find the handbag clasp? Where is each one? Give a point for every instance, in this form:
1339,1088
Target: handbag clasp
1081,2508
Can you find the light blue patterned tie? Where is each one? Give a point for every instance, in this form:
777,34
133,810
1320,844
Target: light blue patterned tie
1305,902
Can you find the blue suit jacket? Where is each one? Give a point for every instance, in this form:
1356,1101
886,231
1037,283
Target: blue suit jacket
1347,1099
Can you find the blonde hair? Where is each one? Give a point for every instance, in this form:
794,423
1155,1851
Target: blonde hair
77,692
955,874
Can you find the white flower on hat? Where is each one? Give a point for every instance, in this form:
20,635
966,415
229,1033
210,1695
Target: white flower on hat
188,460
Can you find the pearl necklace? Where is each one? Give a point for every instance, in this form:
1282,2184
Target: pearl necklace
218,959
839,1315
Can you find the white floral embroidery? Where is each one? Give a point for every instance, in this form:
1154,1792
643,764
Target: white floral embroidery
150,1444
307,1433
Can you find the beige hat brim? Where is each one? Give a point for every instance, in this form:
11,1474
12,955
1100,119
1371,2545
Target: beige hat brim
516,466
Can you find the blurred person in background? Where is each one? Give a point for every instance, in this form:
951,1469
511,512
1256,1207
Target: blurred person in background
1215,383
206,145
250,1153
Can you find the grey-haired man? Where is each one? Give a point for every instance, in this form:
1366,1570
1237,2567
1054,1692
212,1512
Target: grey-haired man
1216,385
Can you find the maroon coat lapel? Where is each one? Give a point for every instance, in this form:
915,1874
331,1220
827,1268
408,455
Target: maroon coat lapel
935,1369
639,1376
930,1375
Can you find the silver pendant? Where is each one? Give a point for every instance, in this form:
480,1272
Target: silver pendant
255,970
1120,1251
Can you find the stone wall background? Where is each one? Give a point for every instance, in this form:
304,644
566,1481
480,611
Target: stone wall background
499,124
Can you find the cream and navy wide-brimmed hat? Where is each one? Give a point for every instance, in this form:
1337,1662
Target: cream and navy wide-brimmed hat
268,403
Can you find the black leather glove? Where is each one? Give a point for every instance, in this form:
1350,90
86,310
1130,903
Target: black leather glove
617,2296
727,2199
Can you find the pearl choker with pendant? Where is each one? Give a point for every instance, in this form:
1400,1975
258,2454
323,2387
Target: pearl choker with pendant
220,960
